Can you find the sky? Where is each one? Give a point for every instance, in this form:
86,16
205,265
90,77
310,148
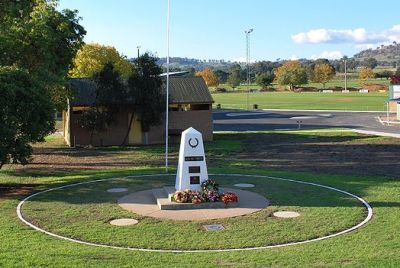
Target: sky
214,29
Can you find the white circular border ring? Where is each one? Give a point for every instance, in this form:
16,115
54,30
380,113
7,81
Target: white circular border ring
364,203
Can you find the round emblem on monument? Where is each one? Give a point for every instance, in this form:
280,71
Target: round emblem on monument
195,144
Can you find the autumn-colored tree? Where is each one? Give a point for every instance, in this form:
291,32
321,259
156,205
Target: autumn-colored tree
92,58
366,73
209,76
323,73
291,73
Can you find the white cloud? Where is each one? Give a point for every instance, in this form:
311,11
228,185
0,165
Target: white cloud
365,46
293,57
359,36
330,55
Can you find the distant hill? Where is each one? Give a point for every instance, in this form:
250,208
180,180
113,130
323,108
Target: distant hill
385,55
187,63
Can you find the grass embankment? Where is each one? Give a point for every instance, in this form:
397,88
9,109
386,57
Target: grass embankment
375,245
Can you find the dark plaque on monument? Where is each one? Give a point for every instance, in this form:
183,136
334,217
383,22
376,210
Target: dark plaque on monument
195,169
194,179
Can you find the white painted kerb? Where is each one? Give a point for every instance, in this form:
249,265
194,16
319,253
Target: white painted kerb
355,227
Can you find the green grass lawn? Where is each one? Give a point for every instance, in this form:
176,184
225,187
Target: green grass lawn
84,212
375,245
307,101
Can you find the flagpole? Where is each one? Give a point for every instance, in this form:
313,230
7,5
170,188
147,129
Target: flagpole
167,93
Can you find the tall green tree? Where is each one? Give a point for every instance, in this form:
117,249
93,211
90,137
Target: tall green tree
145,94
370,63
37,45
35,36
235,76
26,115
265,79
109,96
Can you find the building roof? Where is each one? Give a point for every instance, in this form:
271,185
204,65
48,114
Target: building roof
83,91
189,90
182,90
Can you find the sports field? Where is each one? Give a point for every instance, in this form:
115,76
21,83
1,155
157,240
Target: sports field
303,101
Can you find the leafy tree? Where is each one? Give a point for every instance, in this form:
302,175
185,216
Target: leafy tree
92,58
385,74
323,73
222,76
366,73
370,63
145,94
37,37
209,76
234,79
264,67
291,73
265,79
397,71
110,94
26,115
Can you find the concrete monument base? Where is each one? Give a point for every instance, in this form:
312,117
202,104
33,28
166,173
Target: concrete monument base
144,203
163,197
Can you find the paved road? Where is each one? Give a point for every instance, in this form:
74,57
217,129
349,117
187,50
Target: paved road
288,120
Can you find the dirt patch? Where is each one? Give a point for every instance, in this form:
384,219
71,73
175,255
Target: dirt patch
352,155
9,191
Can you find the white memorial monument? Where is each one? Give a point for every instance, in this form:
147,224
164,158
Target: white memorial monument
192,167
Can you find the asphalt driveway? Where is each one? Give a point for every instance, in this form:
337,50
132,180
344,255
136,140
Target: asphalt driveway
290,120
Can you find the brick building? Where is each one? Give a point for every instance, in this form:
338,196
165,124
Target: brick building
190,106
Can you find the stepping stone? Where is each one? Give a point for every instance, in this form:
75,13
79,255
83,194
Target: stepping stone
117,190
286,214
244,185
214,227
124,222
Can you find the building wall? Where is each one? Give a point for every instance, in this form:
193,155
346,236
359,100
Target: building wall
110,137
201,120
178,122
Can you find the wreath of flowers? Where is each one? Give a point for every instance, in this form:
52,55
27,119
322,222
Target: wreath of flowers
209,185
209,193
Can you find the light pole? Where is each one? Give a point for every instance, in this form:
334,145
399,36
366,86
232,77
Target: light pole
345,75
167,92
248,32
138,51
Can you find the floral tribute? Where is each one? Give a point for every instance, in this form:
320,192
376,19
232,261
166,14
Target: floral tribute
209,193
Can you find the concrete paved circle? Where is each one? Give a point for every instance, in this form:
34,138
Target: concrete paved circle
117,190
244,185
124,222
143,203
364,203
286,214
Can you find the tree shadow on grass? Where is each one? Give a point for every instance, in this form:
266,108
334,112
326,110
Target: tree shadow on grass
350,162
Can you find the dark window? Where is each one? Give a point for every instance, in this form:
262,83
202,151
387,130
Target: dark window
200,107
194,169
194,179
77,112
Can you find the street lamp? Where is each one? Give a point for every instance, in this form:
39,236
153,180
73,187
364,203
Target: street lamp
167,91
345,75
138,51
248,32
